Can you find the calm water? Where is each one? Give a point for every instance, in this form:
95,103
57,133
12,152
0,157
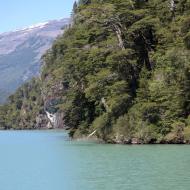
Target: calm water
46,160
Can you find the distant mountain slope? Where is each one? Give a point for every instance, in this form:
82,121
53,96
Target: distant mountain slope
20,53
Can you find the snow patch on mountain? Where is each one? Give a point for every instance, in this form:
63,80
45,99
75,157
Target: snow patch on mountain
21,51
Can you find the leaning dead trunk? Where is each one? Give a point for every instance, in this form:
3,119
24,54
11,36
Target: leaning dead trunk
92,134
119,36
116,26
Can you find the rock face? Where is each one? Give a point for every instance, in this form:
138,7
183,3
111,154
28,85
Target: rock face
41,122
21,51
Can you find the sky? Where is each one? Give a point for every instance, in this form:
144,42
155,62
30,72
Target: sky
16,14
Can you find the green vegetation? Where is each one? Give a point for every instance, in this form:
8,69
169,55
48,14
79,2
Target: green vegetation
25,108
122,71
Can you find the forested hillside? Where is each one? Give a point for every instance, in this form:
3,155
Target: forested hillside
120,72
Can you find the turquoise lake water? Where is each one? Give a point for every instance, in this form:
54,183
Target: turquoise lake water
47,160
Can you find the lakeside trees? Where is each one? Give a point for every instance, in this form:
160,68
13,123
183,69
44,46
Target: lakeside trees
122,70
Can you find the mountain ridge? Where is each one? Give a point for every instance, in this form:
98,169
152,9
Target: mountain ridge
21,51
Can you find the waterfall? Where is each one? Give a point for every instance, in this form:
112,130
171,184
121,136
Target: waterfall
52,118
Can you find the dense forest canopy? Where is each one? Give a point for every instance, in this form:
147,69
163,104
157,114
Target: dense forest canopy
121,72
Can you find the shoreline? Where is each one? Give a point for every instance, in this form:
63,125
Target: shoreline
95,139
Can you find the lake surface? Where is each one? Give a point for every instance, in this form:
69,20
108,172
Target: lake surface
47,160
